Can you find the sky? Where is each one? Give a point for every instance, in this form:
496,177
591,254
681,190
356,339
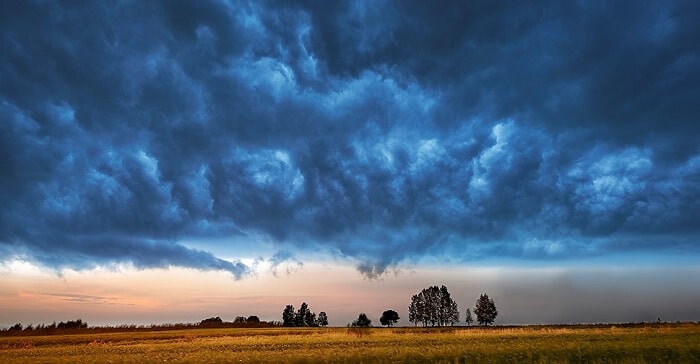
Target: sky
171,161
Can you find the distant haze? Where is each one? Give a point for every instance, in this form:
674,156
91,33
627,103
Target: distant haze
522,295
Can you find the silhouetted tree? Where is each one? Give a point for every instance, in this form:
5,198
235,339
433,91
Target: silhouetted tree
389,317
322,319
362,321
448,312
239,320
310,319
288,316
468,317
433,306
253,320
300,319
415,310
485,310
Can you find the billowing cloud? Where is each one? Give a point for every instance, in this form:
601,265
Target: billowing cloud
379,131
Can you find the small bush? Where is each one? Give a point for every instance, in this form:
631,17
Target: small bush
359,331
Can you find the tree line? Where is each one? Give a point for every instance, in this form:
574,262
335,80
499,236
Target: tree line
433,306
80,325
238,321
303,317
68,325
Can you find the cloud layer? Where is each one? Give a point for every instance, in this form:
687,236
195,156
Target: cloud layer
380,131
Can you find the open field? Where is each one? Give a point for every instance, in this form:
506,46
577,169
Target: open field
678,343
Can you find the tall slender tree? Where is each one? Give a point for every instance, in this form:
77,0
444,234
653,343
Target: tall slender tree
300,318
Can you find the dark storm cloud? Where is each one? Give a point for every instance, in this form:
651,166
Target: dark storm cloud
381,131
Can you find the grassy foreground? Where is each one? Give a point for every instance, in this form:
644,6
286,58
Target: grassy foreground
646,344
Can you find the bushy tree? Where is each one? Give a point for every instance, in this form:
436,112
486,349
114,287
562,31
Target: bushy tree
433,306
288,316
389,317
362,321
468,317
253,320
212,321
322,319
485,310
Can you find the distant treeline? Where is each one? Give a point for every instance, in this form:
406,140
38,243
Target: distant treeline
80,326
68,325
239,321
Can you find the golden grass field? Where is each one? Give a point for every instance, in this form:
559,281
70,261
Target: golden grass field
678,343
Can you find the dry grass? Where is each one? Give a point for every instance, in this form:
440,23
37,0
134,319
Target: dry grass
650,344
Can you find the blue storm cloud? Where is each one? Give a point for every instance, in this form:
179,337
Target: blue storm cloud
381,131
